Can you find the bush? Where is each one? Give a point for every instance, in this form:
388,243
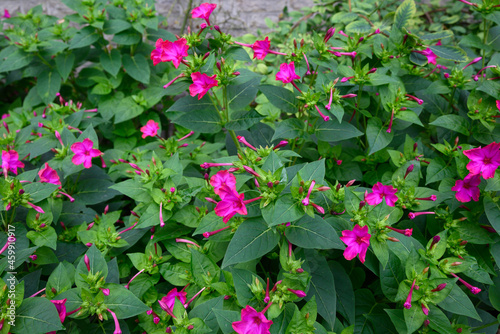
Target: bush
238,196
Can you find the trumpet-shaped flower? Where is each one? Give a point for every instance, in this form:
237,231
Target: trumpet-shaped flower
11,162
223,177
203,11
150,129
467,188
167,302
287,73
252,322
357,242
202,84
379,192
84,153
484,160
431,56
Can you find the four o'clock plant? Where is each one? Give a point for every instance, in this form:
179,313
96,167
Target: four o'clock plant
255,184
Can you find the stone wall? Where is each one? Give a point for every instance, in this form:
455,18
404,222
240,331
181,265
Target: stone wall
236,16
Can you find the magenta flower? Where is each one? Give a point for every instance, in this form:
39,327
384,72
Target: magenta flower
475,290
167,302
61,308
117,330
298,293
484,160
170,51
6,14
231,203
223,177
150,129
11,162
261,48
379,192
498,104
48,175
202,83
203,11
84,153
287,73
468,188
252,322
407,303
357,242
431,57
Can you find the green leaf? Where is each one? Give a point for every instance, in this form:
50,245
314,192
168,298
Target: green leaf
322,286
332,131
123,302
280,97
397,318
225,318
449,52
64,64
137,67
492,210
252,240
288,129
377,135
205,311
16,60
452,122
111,62
345,295
438,170
285,209
404,14
37,315
127,37
437,35
83,38
39,191
391,276
457,302
204,121
242,120
47,237
313,233
190,103
358,27
112,27
239,96
126,109
94,191
48,85
203,268
97,264
494,293
439,321
381,251
414,317
59,280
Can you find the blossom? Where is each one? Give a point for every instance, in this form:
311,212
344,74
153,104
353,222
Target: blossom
357,242
6,14
117,323
48,175
407,304
203,11
61,308
223,177
379,192
10,161
261,48
201,84
484,160
84,153
167,302
287,73
170,51
431,57
467,188
231,203
252,322
150,129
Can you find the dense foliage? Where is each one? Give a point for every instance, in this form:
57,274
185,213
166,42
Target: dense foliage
342,180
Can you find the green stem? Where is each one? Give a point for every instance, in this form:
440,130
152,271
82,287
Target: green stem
226,112
451,101
43,60
486,30
12,216
186,15
485,326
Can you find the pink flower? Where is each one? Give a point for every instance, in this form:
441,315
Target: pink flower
231,203
48,175
6,14
10,161
167,302
407,303
498,105
170,51
203,11
261,48
468,188
252,322
431,57
287,73
61,308
84,153
117,330
150,129
484,160
357,242
202,83
379,192
223,177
